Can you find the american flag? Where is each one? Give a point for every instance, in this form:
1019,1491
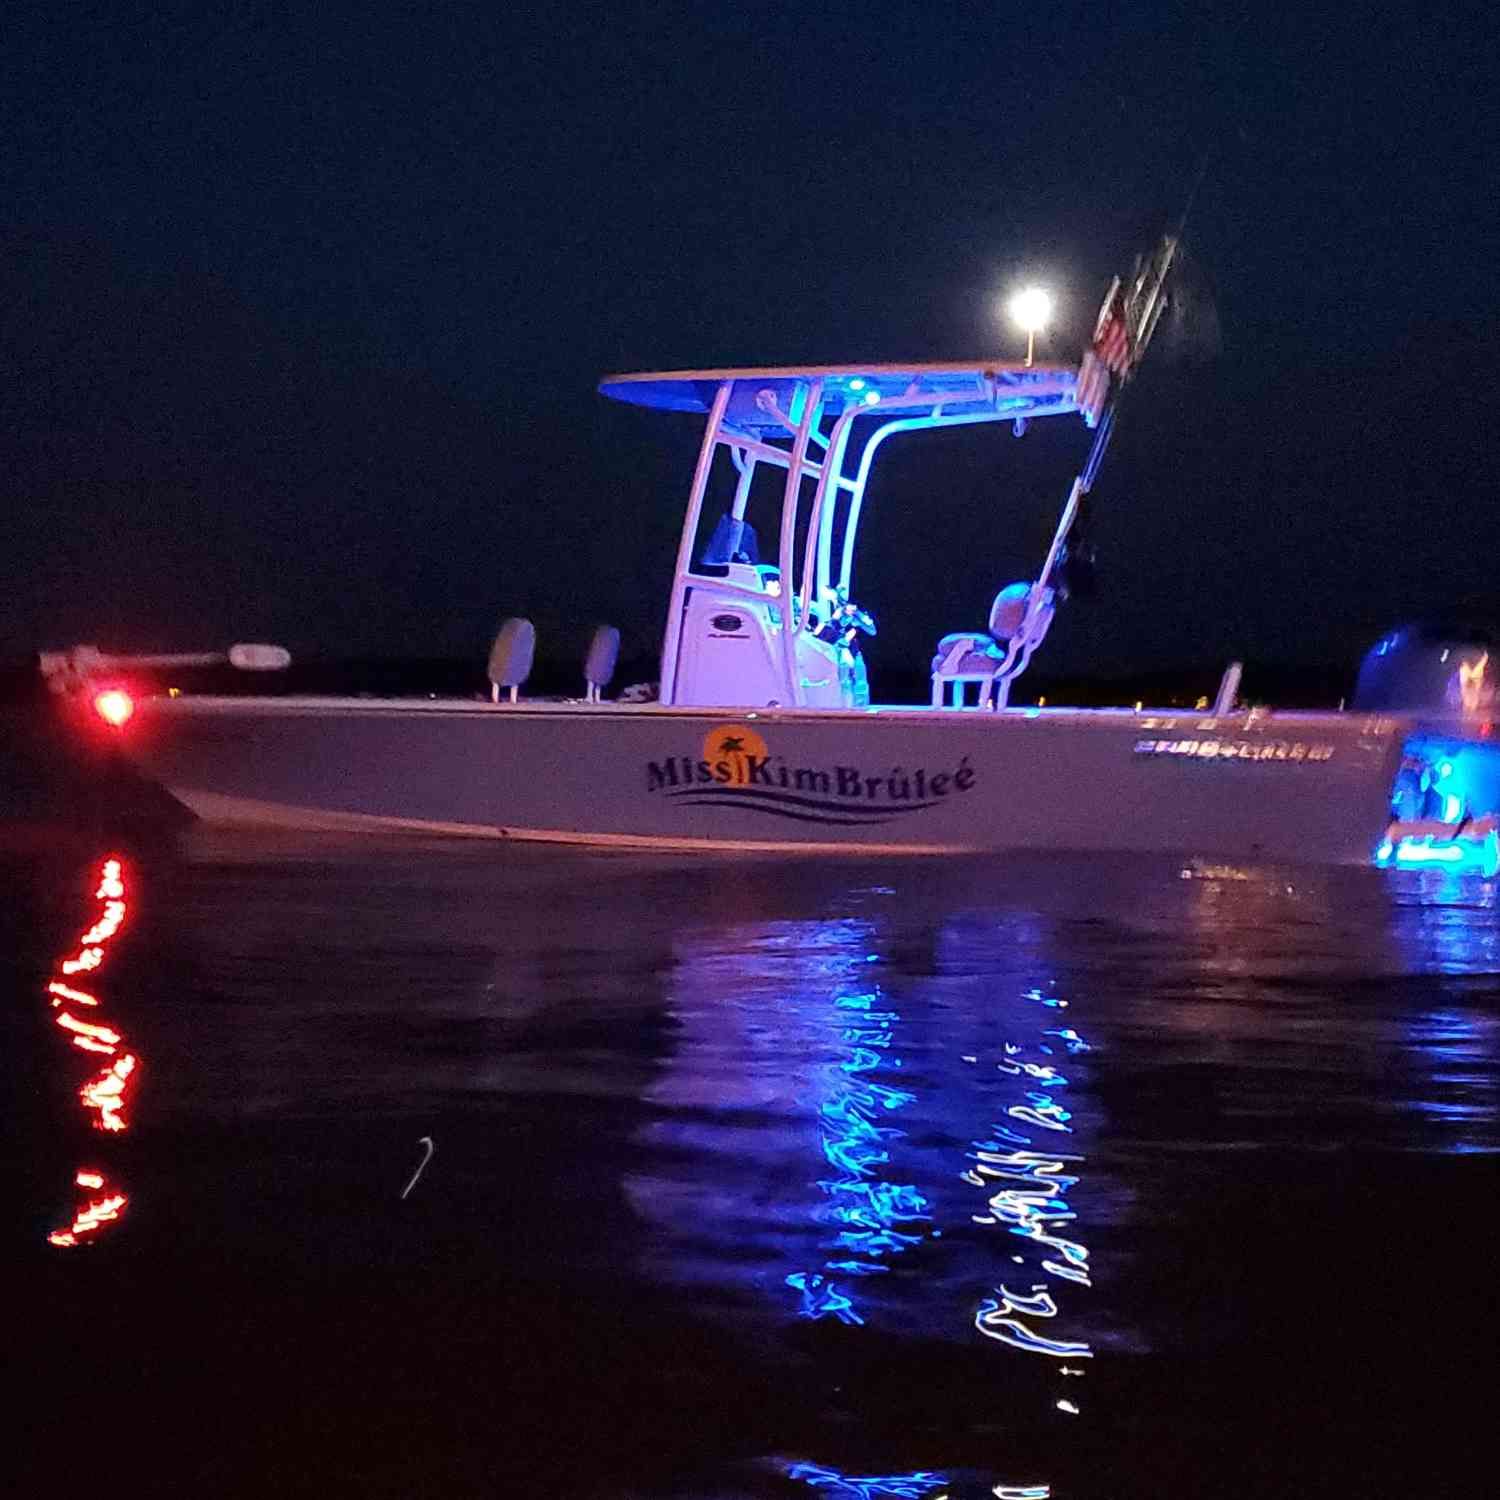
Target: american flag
1127,319
1092,388
1111,337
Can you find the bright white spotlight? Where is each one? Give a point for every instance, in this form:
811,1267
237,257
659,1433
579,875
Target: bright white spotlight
1031,309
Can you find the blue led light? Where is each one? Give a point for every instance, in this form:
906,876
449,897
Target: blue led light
1481,855
1443,781
1427,852
798,404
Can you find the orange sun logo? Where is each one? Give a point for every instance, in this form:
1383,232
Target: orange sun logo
734,744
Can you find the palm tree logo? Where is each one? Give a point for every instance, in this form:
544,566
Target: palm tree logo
735,745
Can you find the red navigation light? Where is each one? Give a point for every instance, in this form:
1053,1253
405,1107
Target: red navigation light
114,706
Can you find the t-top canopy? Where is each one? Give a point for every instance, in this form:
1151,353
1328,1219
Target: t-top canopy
969,386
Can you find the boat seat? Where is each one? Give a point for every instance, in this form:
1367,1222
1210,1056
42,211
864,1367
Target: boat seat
599,664
511,657
971,656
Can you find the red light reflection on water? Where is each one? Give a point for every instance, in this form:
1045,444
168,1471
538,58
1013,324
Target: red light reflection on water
105,1093
61,992
89,1219
96,1038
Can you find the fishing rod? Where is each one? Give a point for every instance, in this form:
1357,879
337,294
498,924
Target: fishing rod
66,671
1128,318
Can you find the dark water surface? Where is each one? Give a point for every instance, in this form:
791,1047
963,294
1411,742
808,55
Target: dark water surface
1025,1178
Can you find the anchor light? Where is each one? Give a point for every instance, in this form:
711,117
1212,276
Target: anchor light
1031,310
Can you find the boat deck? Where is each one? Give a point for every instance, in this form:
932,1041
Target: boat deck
1147,718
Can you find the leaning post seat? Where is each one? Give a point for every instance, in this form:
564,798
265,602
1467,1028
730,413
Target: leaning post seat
599,664
967,657
511,657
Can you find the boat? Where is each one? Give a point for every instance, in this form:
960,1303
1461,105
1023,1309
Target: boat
762,735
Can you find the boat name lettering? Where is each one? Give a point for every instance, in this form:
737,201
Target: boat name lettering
853,783
1212,749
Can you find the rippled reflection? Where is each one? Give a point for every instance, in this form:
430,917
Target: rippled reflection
1455,1050
105,1093
1026,1168
899,1486
1449,923
834,1098
873,1218
1072,1149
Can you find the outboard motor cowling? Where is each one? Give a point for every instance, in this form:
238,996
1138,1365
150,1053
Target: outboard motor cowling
1428,669
1445,802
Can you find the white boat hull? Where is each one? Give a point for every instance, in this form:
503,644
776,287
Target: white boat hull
1309,787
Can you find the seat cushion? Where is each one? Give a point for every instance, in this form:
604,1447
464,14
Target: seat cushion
1008,612
972,655
511,655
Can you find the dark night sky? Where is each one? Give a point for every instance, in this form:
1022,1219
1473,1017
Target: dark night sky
304,308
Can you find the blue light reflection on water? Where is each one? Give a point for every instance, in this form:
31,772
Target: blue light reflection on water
872,1217
872,1085
1456,1053
1316,1026
1448,924
856,1106
898,1486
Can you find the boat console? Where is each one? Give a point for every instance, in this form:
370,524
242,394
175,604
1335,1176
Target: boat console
798,445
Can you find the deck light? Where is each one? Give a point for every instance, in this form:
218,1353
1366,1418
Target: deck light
1031,311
